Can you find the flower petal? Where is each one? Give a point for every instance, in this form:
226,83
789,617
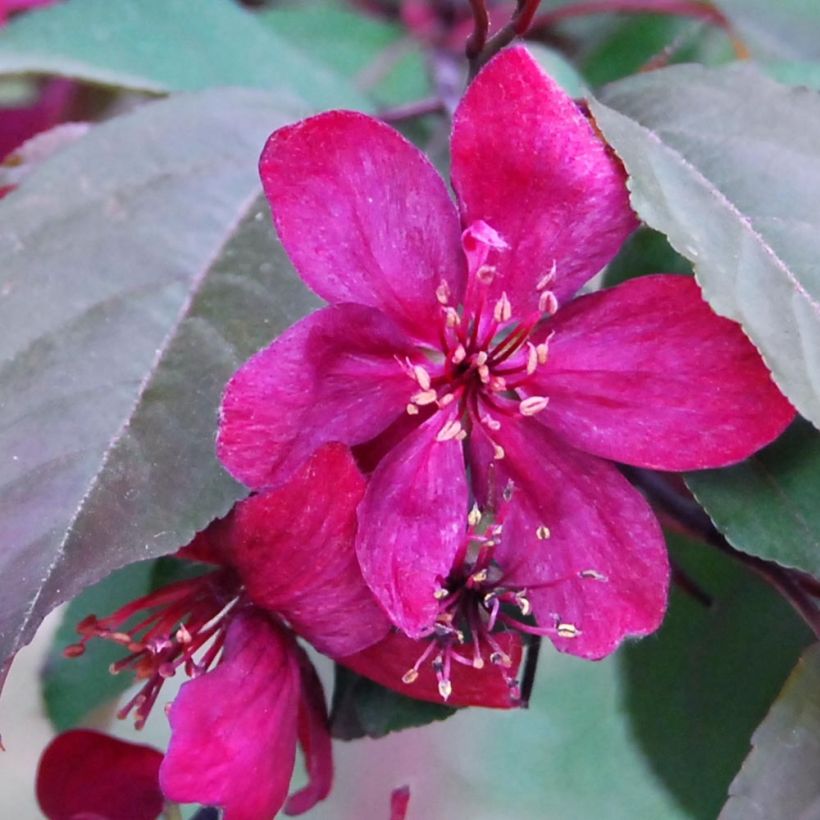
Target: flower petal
527,162
582,541
89,774
647,374
314,738
294,550
387,662
411,522
364,216
234,729
334,376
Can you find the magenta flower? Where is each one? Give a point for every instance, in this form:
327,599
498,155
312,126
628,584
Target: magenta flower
85,774
283,567
453,357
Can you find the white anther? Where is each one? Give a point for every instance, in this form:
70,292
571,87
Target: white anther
410,676
440,594
445,689
547,302
543,352
548,278
447,398
452,319
412,410
421,376
532,358
485,274
568,631
443,293
481,358
183,635
474,516
484,374
424,397
498,384
542,533
502,312
498,452
489,421
523,603
532,405
478,662
461,435
592,575
459,355
450,430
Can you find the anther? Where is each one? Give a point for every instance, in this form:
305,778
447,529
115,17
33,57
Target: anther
445,689
443,292
593,575
498,452
422,377
548,278
446,399
542,533
452,319
412,410
502,312
440,594
485,274
474,516
484,374
479,577
459,355
489,421
410,676
424,397
542,351
500,659
532,359
547,302
481,358
450,430
568,631
523,603
532,405
74,650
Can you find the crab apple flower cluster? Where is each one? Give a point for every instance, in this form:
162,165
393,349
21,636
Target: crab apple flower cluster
455,361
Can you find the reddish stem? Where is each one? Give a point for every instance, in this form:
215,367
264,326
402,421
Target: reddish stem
517,26
478,39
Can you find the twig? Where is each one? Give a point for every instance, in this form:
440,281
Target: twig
478,39
677,8
694,519
530,667
411,110
518,26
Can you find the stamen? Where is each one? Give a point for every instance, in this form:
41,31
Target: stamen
548,303
568,630
451,317
498,452
446,399
503,309
532,358
424,397
422,377
593,575
443,293
548,278
542,533
450,430
543,352
532,405
412,410
485,274
490,422
459,355
474,516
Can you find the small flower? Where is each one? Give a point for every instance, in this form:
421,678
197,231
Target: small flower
284,565
454,360
85,774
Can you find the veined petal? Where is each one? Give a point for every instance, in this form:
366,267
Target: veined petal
527,162
314,738
582,541
88,774
294,550
234,729
411,522
389,660
364,216
334,376
647,374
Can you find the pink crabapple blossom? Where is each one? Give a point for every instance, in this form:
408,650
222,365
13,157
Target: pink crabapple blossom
455,360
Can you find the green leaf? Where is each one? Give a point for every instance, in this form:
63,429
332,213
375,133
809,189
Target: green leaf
138,270
783,28
780,779
166,45
74,687
767,506
725,163
645,252
560,69
377,56
362,708
655,732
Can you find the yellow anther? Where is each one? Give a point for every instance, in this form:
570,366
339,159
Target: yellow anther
450,430
547,302
443,293
422,377
502,312
445,689
542,533
412,410
543,352
568,631
410,676
532,405
485,274
474,516
424,397
459,355
498,452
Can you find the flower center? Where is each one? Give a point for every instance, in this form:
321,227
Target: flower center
486,352
175,623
